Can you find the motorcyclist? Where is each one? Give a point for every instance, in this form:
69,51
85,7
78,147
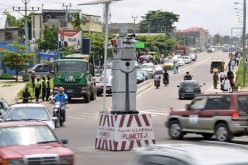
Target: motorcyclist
166,76
187,76
157,77
62,98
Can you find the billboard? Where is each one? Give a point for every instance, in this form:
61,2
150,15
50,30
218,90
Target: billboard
70,38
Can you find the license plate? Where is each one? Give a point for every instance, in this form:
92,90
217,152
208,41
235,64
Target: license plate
69,91
189,90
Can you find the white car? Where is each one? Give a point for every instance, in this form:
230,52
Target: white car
180,62
29,112
186,59
158,69
191,154
149,67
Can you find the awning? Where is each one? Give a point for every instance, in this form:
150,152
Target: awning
47,55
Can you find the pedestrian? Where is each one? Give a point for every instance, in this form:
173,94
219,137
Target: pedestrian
222,77
215,80
230,77
233,64
226,84
26,95
43,88
37,86
237,61
48,88
33,76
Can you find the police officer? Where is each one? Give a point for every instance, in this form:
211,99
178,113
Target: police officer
43,88
37,86
48,88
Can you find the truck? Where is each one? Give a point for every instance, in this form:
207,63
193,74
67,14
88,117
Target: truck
75,73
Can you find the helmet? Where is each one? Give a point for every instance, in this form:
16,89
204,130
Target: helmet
187,72
61,90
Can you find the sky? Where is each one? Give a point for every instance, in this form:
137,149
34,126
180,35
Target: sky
218,16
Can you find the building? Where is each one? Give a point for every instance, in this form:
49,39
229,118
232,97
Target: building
37,25
193,37
9,34
92,24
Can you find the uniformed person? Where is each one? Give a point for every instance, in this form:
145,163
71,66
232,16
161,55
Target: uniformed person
43,88
215,79
37,86
48,88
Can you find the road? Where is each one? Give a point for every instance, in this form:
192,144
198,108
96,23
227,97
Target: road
82,118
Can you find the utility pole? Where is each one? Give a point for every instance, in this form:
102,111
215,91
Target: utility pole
134,20
66,13
244,42
26,17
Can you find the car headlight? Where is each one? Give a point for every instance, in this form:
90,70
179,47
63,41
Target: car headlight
14,162
66,160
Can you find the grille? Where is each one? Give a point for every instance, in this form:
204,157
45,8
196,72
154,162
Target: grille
42,160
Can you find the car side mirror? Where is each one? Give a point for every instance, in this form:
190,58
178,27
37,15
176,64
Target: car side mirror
64,141
187,106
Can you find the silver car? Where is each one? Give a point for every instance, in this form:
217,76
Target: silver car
191,154
29,112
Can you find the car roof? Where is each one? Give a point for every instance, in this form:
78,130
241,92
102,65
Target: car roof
200,153
27,105
21,123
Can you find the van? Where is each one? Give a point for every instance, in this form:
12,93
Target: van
150,68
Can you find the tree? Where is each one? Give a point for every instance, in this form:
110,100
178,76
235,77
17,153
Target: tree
157,21
17,60
50,38
76,23
159,43
217,39
13,21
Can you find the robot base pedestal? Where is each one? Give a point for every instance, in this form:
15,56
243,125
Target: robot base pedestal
123,132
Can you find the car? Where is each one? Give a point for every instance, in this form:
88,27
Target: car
145,72
29,112
108,72
193,57
180,62
189,89
98,71
100,85
32,143
221,114
158,69
191,154
186,59
140,77
150,68
4,106
41,69
168,63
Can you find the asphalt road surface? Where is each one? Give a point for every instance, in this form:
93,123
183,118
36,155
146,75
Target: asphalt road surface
82,118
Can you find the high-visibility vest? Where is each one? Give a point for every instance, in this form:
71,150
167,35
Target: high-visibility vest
37,84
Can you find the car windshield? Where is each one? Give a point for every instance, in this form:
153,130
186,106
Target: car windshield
147,66
189,84
168,61
26,135
71,67
158,66
27,113
102,80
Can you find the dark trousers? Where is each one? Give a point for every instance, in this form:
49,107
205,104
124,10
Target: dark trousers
47,94
43,93
37,94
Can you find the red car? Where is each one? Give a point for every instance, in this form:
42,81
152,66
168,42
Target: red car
32,142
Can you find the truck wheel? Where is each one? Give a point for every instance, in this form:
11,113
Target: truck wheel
93,94
87,98
175,130
222,133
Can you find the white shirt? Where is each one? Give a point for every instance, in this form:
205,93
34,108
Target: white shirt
157,77
226,84
222,75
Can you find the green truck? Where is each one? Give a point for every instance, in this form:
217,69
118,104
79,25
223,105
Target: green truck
75,72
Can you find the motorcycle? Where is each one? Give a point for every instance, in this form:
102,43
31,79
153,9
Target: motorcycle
166,81
157,83
59,113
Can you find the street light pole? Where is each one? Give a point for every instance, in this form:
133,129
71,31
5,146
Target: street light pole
244,42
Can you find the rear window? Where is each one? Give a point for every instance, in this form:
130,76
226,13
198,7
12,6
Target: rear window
243,103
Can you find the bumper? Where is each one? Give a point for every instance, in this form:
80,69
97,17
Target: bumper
100,90
188,95
239,128
75,92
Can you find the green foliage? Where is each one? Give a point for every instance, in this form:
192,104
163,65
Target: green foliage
159,43
13,21
6,76
77,22
18,60
50,39
157,21
239,75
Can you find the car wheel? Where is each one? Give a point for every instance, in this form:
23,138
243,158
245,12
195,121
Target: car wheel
222,133
179,98
175,130
207,135
87,98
